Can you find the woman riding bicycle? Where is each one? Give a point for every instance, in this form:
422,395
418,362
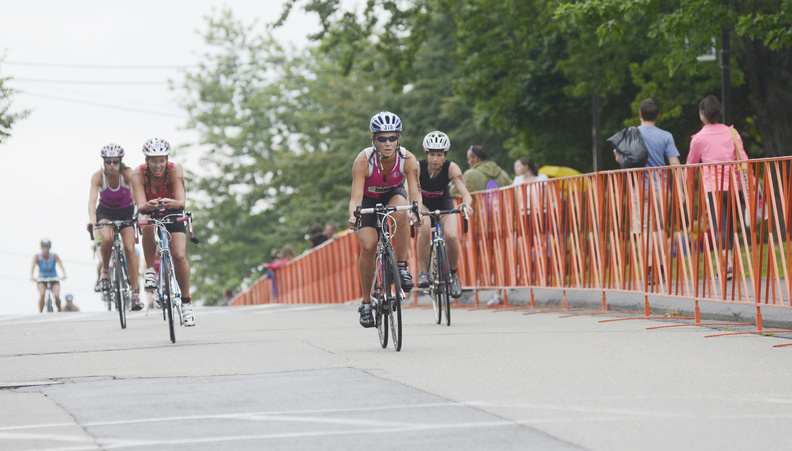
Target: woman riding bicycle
110,185
46,264
160,183
436,172
377,176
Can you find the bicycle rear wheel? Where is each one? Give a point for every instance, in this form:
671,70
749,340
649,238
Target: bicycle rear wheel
394,299
50,309
378,293
118,288
167,294
445,284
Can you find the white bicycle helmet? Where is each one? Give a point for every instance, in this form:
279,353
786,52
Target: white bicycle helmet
156,147
112,150
385,122
436,141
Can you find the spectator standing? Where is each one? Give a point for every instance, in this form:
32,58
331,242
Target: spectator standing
661,147
316,235
481,171
526,171
716,143
331,230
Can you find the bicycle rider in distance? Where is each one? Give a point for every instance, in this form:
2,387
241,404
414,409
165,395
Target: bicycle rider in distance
436,173
111,185
46,264
377,178
160,183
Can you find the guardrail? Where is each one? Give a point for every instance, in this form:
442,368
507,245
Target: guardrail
602,232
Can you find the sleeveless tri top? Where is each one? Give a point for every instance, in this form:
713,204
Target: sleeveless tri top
375,185
47,267
116,198
165,192
433,188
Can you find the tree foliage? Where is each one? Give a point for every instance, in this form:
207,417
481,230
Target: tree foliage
8,118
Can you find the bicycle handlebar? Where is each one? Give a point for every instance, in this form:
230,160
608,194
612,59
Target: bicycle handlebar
115,223
461,210
384,210
172,219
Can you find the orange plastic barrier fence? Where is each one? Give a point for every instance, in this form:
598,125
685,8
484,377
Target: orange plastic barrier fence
686,231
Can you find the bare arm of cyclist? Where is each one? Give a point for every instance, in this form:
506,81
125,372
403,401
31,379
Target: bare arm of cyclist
58,261
412,175
139,192
455,174
359,173
176,182
33,268
93,196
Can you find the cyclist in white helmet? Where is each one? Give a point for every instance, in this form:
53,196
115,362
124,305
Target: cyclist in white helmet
436,173
378,174
156,183
110,186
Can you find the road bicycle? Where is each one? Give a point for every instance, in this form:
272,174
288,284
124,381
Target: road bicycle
119,291
49,305
386,293
168,292
440,277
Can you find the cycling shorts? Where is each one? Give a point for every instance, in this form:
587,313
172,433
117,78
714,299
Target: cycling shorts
122,214
384,199
438,203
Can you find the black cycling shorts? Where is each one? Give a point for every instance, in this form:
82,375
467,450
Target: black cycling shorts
121,214
384,199
438,203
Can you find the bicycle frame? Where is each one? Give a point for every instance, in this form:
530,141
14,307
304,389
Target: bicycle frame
120,292
168,290
386,287
49,297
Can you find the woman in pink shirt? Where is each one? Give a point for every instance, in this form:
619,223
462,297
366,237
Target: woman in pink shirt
715,143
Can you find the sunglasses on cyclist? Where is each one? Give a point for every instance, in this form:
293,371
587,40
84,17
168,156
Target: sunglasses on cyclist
112,162
384,139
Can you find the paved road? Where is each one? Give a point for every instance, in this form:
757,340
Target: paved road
308,377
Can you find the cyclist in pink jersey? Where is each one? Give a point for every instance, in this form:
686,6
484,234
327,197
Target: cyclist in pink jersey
111,186
378,174
161,183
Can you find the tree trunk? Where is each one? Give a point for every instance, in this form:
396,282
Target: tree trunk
769,78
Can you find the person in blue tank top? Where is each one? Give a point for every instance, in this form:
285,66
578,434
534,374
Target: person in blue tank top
47,273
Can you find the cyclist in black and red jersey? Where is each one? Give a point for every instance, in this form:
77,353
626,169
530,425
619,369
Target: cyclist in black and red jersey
378,174
157,183
436,173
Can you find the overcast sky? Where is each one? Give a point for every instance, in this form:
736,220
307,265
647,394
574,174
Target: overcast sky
45,167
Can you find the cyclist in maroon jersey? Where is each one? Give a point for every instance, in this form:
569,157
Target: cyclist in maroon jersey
157,183
378,174
111,186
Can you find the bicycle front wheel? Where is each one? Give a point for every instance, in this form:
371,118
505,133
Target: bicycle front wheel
395,299
378,293
445,283
118,288
167,294
436,284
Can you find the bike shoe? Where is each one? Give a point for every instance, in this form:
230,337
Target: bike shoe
423,280
150,283
136,304
98,286
406,280
456,287
187,314
366,318
105,280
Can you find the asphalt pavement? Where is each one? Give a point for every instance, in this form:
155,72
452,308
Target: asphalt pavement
309,377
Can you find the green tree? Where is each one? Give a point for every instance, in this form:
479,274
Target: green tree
7,118
679,30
